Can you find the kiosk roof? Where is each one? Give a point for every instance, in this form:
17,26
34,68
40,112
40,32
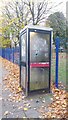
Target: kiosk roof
36,27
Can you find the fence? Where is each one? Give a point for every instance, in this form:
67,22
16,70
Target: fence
11,54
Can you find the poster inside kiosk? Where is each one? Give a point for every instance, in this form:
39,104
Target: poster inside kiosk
35,58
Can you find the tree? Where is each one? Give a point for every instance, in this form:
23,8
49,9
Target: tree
58,22
22,12
13,13
67,35
39,11
4,34
5,42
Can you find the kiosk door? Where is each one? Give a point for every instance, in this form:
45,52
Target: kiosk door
23,61
39,60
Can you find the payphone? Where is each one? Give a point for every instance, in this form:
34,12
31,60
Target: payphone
35,59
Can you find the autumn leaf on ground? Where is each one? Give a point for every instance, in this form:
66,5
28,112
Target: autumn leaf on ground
58,108
20,89
25,109
6,113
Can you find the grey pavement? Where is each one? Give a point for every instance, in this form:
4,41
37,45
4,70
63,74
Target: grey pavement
3,72
12,109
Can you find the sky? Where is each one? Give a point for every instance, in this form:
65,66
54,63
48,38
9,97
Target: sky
67,11
61,8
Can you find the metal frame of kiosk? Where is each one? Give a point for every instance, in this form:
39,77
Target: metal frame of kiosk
35,59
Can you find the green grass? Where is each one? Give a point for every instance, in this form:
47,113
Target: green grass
62,68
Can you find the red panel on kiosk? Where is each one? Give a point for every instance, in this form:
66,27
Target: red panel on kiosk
40,65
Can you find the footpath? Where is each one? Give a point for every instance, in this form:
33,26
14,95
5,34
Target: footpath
16,105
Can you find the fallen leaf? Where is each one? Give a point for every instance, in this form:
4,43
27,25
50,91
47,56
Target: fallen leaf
20,107
6,113
28,104
25,109
19,89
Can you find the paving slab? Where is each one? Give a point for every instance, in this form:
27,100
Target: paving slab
31,113
19,114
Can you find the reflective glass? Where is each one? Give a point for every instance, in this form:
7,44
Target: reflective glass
23,59
39,60
39,47
23,47
39,78
23,75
